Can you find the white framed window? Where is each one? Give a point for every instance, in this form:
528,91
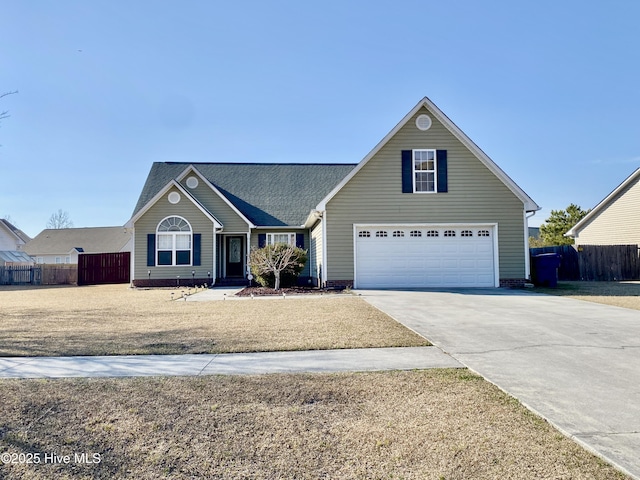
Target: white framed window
424,171
483,233
58,260
364,233
415,233
286,238
67,259
433,233
40,260
381,233
449,233
466,233
174,242
398,233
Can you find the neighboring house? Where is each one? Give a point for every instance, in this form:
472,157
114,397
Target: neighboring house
613,221
64,244
425,208
11,237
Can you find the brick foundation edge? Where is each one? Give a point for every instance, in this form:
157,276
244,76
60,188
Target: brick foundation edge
339,283
512,282
170,282
504,283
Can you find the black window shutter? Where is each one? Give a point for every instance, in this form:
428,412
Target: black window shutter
197,241
441,165
262,240
407,171
300,240
151,250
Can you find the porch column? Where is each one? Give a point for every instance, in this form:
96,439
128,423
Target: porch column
214,263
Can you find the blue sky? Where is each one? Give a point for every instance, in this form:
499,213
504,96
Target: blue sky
548,89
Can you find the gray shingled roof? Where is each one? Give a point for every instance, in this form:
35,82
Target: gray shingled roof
267,194
88,240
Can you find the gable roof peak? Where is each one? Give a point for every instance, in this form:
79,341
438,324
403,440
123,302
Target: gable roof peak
529,204
595,211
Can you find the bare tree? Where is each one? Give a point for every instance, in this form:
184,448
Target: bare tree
5,113
276,259
59,220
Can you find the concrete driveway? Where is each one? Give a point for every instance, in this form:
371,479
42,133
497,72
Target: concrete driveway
575,363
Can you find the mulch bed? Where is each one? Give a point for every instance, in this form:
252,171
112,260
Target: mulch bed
263,291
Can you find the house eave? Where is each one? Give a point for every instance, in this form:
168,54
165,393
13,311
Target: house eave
278,227
313,217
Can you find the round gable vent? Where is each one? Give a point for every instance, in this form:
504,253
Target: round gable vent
174,197
423,122
192,182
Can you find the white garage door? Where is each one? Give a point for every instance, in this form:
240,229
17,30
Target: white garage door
424,256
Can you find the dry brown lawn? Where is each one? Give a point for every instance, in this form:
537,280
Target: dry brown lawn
620,294
117,320
436,424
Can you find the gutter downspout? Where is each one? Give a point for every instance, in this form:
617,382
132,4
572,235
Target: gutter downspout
527,259
132,267
323,280
247,261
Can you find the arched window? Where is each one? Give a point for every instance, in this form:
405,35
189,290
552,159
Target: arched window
174,242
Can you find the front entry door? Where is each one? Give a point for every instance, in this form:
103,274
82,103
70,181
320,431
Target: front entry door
235,255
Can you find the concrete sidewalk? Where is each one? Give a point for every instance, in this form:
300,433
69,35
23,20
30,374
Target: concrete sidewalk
352,360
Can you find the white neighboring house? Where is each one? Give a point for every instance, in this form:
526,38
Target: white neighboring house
63,245
11,237
613,221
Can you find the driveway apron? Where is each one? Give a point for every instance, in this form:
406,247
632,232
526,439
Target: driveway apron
575,363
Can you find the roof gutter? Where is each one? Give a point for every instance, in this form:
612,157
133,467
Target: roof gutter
313,217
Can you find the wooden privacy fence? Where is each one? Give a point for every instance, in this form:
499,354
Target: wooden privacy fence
39,275
595,262
102,268
59,274
609,262
21,275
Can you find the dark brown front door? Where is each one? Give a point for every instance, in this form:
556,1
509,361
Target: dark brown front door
234,256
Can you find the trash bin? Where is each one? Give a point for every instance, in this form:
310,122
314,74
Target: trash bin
545,270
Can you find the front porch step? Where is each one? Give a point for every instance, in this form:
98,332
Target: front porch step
231,282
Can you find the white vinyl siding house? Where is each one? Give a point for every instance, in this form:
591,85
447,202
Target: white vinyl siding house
614,221
11,237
